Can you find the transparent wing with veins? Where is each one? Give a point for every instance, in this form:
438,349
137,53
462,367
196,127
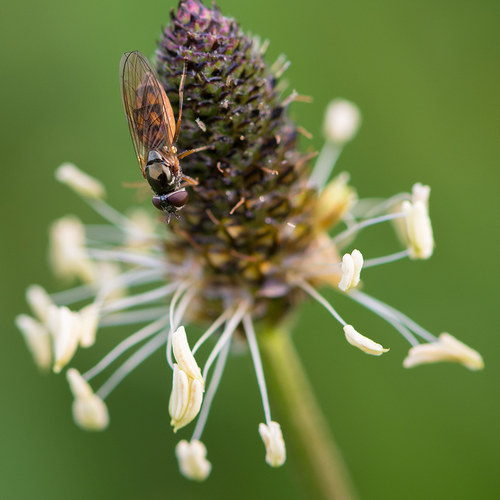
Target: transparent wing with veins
149,113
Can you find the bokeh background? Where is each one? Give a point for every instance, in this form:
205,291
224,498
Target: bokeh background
426,77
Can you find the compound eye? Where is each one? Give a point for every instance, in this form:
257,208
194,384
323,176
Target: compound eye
178,199
157,202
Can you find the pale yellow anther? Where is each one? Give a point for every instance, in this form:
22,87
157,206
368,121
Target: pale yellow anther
420,192
185,399
273,441
89,410
418,230
140,229
89,319
109,272
361,342
351,270
447,348
192,458
184,356
334,201
68,255
64,326
39,301
37,340
79,181
342,121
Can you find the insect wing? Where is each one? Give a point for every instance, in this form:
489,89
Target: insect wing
149,113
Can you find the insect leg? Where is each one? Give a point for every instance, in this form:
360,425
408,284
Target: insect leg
189,181
181,98
191,151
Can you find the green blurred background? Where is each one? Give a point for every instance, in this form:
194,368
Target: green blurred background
426,77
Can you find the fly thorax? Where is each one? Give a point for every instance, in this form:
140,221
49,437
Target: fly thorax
160,173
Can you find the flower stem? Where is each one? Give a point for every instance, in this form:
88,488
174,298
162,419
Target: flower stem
311,447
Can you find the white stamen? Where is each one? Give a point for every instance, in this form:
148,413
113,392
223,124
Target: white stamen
342,121
324,165
126,344
379,310
416,231
212,389
231,326
141,298
319,298
386,259
65,327
89,410
141,228
80,182
82,292
273,441
394,313
334,202
135,360
193,463
103,234
89,320
184,356
257,363
447,348
109,274
68,255
173,313
116,286
179,396
361,342
39,301
372,207
200,124
351,270
361,225
420,193
128,257
212,329
185,399
133,317
37,340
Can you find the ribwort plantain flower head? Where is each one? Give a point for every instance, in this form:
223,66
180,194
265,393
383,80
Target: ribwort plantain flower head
264,230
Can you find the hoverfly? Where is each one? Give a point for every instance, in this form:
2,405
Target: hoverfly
154,131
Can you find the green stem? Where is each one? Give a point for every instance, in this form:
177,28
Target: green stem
310,445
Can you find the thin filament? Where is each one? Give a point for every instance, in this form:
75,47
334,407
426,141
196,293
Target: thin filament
126,344
135,360
231,326
319,298
257,363
212,389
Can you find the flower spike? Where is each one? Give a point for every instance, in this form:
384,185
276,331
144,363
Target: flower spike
262,231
